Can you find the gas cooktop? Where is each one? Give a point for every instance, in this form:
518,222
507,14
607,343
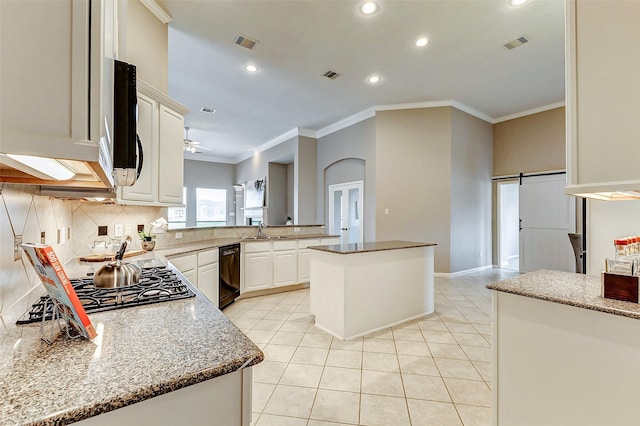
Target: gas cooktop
156,284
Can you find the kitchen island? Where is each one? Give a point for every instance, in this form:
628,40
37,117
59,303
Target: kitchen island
562,354
175,362
360,288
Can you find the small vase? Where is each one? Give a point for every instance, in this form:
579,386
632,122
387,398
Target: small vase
148,245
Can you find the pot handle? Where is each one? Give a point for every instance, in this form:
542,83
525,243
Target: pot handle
120,253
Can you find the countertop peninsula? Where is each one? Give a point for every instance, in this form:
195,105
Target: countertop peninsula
140,352
370,247
579,290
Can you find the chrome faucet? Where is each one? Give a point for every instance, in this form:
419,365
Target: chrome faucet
261,234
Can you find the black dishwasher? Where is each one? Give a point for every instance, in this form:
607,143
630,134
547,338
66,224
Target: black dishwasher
229,287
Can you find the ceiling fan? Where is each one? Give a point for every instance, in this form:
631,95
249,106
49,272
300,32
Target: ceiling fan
193,146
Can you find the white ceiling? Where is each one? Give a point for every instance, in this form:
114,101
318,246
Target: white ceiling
464,63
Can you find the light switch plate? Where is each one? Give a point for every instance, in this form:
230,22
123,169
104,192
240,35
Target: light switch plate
117,230
17,250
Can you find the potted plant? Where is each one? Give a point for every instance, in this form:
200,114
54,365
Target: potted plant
148,238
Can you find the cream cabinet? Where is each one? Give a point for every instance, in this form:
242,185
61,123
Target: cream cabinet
603,95
304,259
257,266
278,263
56,75
285,263
208,274
161,131
188,265
201,269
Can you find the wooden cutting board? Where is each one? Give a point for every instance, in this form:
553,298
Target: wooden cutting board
109,257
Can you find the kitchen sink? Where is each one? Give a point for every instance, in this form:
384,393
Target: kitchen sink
266,237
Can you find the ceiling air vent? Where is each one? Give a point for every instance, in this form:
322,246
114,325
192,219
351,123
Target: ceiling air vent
331,74
517,42
208,110
246,42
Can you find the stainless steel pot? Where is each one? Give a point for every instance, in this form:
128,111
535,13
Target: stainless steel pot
117,274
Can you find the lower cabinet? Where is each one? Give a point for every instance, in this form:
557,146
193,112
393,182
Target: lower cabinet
278,263
285,263
304,259
201,269
208,275
188,266
257,266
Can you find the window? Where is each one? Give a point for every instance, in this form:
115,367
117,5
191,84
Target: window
211,207
177,216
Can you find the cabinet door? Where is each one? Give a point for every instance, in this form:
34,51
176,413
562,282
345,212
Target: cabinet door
257,271
171,162
304,265
146,187
44,75
208,281
603,91
188,266
285,268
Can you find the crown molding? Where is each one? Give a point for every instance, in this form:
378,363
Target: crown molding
529,112
157,95
346,122
157,10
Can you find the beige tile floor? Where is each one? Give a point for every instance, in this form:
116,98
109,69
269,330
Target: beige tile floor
431,371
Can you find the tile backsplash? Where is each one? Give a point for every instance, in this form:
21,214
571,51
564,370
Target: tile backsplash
23,212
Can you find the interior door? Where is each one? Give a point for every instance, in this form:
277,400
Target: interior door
547,215
345,212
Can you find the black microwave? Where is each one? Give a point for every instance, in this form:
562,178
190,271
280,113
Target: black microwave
127,147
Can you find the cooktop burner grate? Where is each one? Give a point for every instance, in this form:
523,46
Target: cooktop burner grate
156,285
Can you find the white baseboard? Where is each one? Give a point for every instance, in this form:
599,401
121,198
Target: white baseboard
466,271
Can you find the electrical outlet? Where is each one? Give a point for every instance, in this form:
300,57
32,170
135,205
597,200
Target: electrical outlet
102,230
178,235
140,228
296,229
68,233
17,253
117,230
386,211
42,239
58,236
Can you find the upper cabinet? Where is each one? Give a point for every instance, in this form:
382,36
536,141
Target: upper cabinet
56,76
603,96
161,131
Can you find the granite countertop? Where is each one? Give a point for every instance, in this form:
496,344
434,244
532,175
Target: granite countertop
140,352
190,247
369,247
582,291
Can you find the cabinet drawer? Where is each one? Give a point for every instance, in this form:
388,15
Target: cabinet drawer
285,245
257,247
207,257
185,263
303,244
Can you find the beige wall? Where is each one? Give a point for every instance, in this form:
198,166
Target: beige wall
413,169
147,45
471,160
532,143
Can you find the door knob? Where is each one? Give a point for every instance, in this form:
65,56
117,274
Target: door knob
345,229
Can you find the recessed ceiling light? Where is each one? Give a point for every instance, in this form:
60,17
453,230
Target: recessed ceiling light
368,8
249,148
518,2
251,68
373,79
422,42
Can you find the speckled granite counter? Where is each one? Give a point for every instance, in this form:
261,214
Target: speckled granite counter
370,247
582,291
140,352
